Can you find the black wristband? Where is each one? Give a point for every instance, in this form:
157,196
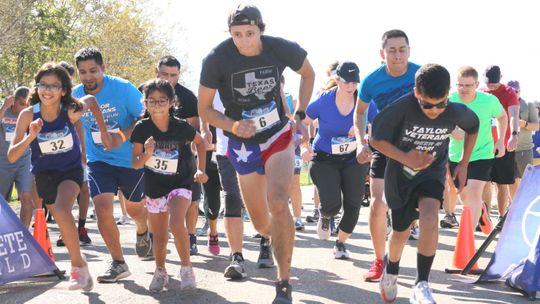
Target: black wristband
300,114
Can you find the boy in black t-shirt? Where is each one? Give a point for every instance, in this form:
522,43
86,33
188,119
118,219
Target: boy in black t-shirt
246,69
413,133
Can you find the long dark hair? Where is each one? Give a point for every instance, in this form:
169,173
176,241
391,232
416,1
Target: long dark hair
53,68
161,86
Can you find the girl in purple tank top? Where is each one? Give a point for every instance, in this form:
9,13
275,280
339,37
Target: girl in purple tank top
48,127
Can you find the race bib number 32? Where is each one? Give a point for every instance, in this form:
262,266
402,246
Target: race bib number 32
56,141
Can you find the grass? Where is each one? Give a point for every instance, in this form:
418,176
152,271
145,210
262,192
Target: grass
304,178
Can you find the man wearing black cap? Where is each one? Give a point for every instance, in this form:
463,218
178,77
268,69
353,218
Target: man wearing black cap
334,169
246,70
503,167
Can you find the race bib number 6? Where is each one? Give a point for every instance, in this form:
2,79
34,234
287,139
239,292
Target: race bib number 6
264,117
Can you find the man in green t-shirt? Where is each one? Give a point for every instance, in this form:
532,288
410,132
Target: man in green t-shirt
486,107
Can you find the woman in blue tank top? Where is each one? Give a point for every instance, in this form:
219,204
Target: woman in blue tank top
48,128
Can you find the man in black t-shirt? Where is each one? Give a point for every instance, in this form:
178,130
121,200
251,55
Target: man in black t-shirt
413,133
246,70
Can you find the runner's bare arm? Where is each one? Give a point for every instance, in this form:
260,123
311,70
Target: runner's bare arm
21,141
307,82
502,124
242,128
141,153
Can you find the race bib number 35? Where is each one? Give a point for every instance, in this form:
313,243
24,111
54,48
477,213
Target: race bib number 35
163,162
55,142
343,145
264,117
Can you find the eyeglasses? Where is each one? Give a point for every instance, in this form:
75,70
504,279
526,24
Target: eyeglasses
427,106
160,102
464,85
48,87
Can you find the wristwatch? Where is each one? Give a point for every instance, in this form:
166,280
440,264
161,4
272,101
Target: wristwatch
300,114
515,133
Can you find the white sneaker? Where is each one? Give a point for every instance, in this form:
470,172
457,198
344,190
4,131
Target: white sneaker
123,220
81,279
187,278
388,286
323,228
422,294
159,281
340,252
415,233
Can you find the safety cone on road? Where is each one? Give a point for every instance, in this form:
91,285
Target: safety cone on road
465,248
41,233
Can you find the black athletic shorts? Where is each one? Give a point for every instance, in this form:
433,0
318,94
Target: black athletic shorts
403,217
47,182
478,170
503,169
378,164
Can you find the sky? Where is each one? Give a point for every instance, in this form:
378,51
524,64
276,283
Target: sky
452,33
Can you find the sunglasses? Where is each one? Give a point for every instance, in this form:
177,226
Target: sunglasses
428,106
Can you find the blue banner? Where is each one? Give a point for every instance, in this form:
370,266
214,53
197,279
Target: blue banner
20,255
521,232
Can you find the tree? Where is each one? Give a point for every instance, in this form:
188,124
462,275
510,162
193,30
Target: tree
53,30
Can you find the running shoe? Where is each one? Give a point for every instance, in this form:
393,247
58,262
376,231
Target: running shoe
123,220
115,272
299,225
313,218
143,246
449,221
422,294
323,228
235,270
193,244
485,221
340,252
415,233
245,215
283,293
213,244
375,271
388,286
187,278
84,239
265,259
80,279
159,281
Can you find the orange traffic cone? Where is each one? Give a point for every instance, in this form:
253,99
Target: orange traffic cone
465,248
41,233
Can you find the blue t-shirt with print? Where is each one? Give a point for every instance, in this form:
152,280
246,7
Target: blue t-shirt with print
332,124
121,105
383,89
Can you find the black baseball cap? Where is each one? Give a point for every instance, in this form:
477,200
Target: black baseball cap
492,74
245,14
348,71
